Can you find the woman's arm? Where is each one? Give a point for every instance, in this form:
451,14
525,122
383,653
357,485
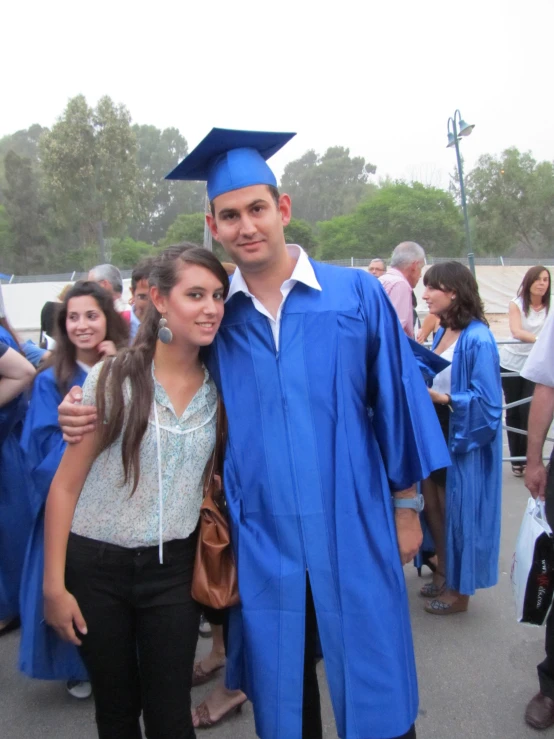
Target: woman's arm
514,315
15,374
428,326
61,610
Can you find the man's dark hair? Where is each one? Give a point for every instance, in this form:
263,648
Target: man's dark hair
467,305
272,189
141,272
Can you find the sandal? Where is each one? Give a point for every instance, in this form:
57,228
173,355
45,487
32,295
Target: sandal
432,590
205,720
201,676
438,607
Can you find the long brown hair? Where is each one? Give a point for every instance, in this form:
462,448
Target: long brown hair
524,292
134,364
467,306
64,356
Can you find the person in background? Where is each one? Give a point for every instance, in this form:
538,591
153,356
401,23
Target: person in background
463,501
539,369
15,510
406,264
377,267
527,314
48,318
88,328
16,373
140,295
110,278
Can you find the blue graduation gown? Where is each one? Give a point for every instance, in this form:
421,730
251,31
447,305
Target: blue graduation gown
319,435
42,654
474,481
15,513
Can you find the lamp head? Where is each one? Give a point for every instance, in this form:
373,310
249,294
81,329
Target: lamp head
451,140
464,129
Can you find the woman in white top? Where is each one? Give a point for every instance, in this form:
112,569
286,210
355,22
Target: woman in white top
527,314
123,509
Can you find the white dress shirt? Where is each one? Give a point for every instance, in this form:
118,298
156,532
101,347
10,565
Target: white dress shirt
303,272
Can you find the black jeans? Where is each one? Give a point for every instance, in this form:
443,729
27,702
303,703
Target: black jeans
142,627
517,388
546,668
311,705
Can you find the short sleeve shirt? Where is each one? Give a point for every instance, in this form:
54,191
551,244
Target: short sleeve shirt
3,348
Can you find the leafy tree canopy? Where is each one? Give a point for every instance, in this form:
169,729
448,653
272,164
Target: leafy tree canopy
394,213
322,187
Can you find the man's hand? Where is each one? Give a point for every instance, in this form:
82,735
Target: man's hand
535,479
409,533
75,420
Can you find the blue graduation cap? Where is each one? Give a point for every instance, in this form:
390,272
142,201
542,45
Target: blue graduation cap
429,363
229,160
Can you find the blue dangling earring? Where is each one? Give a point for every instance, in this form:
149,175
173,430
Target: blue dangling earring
165,334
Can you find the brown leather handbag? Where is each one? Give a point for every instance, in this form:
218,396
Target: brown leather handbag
214,582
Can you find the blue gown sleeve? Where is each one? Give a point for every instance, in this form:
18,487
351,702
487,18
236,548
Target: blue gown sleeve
405,423
477,411
42,439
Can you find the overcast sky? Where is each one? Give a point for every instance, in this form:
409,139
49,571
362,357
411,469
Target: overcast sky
381,81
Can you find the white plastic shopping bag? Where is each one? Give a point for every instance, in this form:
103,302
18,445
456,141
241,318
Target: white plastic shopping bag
533,566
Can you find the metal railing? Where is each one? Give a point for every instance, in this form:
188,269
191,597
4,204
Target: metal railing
347,262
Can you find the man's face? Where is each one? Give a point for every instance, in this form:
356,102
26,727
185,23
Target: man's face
413,273
141,298
249,225
377,268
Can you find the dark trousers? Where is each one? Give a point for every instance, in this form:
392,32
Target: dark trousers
311,706
546,667
517,388
142,627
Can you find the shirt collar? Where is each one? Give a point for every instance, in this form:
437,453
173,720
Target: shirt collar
302,272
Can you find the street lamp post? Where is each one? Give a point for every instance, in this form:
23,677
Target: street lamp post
457,128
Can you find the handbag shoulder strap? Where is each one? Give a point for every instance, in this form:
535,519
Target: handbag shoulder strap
215,462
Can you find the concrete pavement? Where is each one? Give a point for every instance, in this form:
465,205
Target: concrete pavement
476,670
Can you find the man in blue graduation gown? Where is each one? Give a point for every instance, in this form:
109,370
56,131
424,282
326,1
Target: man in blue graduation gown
328,415
330,427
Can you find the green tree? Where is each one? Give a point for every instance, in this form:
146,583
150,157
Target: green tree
161,200
190,227
25,144
302,233
6,243
322,187
23,213
396,212
511,201
127,253
90,170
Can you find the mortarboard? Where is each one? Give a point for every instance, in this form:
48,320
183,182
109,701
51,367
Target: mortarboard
429,363
229,160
